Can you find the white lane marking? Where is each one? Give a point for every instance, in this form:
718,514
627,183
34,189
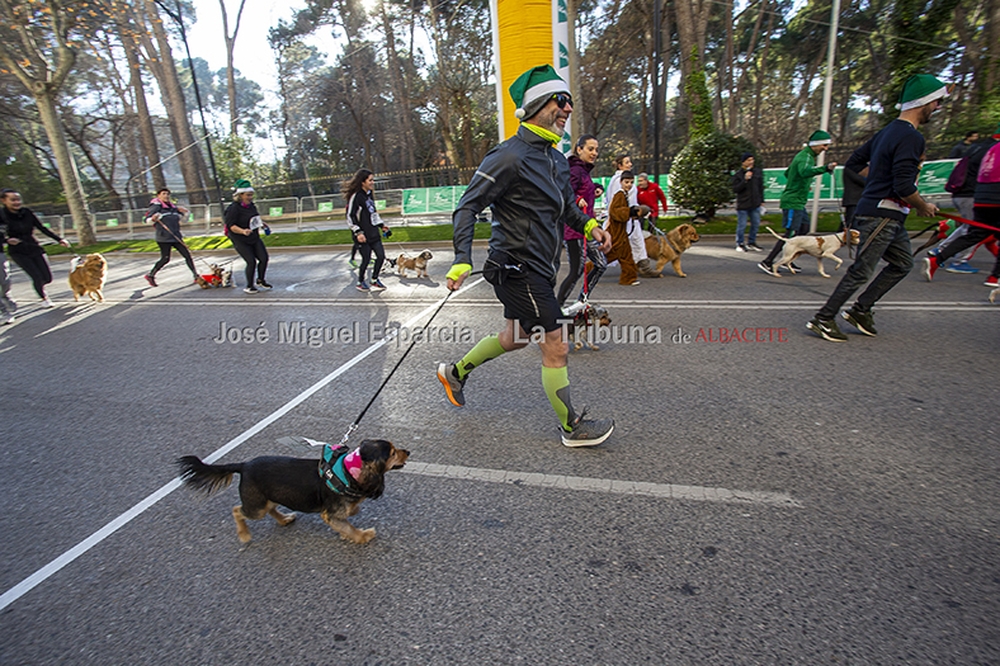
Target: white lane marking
383,297
614,486
53,567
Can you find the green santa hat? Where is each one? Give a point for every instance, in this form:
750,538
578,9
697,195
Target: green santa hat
534,88
242,186
921,89
820,138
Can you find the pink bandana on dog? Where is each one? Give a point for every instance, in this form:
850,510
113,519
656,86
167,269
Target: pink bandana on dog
352,463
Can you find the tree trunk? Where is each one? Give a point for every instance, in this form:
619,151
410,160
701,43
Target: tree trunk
230,70
147,134
68,175
185,142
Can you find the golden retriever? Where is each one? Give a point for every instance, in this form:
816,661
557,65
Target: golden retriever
816,246
669,248
418,264
87,276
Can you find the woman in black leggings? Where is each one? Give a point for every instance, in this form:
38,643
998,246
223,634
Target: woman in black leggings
21,243
242,226
166,216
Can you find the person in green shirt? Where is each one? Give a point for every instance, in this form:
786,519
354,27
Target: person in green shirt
799,177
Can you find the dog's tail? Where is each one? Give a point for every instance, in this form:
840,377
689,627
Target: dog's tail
206,478
773,233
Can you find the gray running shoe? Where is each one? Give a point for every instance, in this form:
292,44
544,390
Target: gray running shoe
588,432
826,329
453,386
863,321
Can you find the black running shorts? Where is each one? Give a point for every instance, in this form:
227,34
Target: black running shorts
530,299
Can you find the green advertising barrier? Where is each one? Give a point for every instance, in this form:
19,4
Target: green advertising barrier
275,211
111,222
424,200
934,175
380,204
325,207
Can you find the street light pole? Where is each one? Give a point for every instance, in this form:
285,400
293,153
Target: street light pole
657,48
824,123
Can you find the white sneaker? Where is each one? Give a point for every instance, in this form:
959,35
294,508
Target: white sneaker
46,303
8,319
741,248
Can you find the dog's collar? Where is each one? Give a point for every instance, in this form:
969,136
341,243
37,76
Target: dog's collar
339,468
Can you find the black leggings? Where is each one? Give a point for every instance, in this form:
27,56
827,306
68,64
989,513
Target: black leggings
165,256
366,255
37,268
574,247
255,254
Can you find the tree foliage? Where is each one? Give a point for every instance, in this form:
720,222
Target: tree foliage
700,177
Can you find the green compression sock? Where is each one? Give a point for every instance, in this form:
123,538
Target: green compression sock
486,349
556,383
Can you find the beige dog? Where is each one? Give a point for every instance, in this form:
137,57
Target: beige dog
994,294
817,246
418,264
669,248
87,276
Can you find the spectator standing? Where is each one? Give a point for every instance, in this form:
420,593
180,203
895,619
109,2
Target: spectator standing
242,225
581,163
893,157
166,219
960,149
799,175
21,243
525,181
748,184
367,227
650,194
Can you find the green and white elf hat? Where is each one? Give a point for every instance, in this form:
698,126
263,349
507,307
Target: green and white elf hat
820,138
242,186
921,89
534,88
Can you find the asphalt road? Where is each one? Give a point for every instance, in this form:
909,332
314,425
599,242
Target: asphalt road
775,499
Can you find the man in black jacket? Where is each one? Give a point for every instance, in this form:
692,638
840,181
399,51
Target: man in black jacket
525,181
748,184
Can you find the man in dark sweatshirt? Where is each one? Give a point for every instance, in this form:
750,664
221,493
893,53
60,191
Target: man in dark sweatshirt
893,157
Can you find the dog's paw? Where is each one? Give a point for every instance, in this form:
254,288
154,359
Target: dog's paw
594,348
577,346
361,536
244,536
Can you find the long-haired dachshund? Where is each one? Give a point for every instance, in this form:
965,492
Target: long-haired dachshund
332,486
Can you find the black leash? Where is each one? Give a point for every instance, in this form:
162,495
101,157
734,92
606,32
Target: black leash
354,425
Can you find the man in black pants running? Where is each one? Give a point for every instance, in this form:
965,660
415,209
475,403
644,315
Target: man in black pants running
893,157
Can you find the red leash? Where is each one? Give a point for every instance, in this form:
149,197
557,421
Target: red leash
969,222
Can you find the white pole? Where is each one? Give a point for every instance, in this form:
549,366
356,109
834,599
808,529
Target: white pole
824,122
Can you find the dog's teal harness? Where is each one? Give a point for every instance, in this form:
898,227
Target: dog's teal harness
334,473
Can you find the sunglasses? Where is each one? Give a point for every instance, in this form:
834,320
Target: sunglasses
562,99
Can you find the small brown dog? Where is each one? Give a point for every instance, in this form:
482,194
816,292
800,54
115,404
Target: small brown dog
219,277
669,248
87,275
332,486
418,264
586,323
